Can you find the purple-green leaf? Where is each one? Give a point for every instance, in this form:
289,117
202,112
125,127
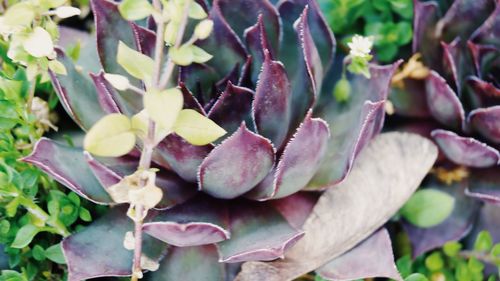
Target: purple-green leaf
369,259
410,100
425,18
489,32
486,121
482,92
232,107
484,184
258,232
68,166
257,43
189,263
199,221
77,93
236,165
98,250
271,105
466,151
443,103
455,227
296,208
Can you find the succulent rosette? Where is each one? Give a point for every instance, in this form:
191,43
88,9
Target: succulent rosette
453,96
243,198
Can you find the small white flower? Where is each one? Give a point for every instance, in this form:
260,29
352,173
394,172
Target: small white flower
360,46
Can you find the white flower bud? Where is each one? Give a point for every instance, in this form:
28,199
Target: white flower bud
203,29
118,81
67,11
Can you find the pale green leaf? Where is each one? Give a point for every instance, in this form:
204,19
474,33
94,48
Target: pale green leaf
428,207
182,56
196,11
24,236
120,82
203,29
112,136
135,9
21,13
199,55
57,67
39,43
164,107
196,128
55,254
140,126
136,64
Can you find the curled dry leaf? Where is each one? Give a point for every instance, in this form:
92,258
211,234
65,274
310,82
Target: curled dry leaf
384,176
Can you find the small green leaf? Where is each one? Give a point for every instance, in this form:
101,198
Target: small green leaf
73,197
483,242
342,90
21,13
112,136
495,251
135,9
38,253
164,107
57,67
55,254
428,207
199,55
136,64
39,43
196,11
24,236
196,128
452,248
203,29
182,56
434,262
475,265
416,277
85,215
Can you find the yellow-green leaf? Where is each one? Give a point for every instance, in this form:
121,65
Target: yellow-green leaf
196,11
57,67
140,126
182,56
203,29
21,13
164,107
136,64
112,136
135,9
39,43
196,128
199,55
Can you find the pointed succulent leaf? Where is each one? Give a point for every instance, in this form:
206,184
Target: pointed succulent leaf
232,107
77,93
296,208
105,92
112,136
466,151
483,93
300,160
199,221
271,105
258,232
257,43
190,263
236,165
106,14
190,102
443,103
486,121
145,40
371,258
425,19
484,185
239,21
489,32
456,226
164,107
136,64
409,100
183,157
53,158
197,129
340,216
98,250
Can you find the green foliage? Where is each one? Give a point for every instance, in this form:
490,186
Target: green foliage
388,21
428,207
453,262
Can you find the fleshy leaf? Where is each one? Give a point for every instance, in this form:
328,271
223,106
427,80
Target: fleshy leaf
466,151
456,226
271,105
257,43
425,19
484,185
200,221
232,108
183,157
190,263
486,121
98,250
236,165
68,166
371,258
409,101
483,93
296,208
387,172
443,103
77,94
240,21
106,94
489,33
299,162
258,232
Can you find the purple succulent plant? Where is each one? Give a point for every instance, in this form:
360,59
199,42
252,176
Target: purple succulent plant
457,105
269,86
